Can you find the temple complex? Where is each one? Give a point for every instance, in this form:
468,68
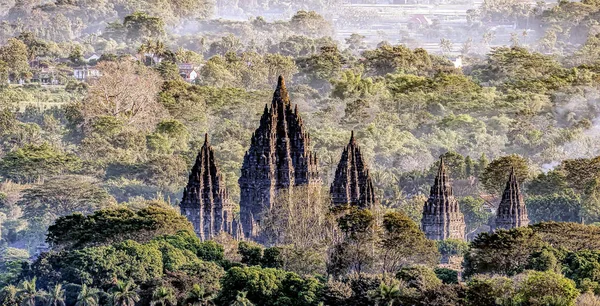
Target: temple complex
442,218
278,159
511,211
352,184
205,200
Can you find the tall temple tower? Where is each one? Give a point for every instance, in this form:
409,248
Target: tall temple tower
205,200
352,184
278,158
442,218
511,211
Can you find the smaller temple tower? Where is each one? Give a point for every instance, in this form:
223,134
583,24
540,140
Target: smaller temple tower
511,211
205,200
352,184
442,218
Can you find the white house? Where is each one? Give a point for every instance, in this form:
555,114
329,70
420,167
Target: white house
187,72
85,73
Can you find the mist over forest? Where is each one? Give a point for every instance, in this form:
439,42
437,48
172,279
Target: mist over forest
122,120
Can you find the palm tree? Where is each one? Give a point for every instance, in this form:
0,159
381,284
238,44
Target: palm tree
29,293
488,37
445,45
386,295
9,296
56,296
198,296
163,296
87,296
242,300
514,39
123,294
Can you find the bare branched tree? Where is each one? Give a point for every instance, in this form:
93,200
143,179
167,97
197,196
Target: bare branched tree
127,91
300,217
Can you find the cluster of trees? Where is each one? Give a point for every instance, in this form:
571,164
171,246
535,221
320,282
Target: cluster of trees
107,147
151,256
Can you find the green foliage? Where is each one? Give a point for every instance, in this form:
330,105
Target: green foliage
499,169
503,252
490,290
545,288
475,212
452,247
268,286
61,196
447,276
554,207
111,226
33,162
140,26
403,244
419,277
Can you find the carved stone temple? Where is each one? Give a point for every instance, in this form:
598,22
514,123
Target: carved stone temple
511,211
442,218
352,183
278,159
205,200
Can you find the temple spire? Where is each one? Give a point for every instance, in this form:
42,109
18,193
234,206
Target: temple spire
442,218
511,211
352,183
205,202
278,159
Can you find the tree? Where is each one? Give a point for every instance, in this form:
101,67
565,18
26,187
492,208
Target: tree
419,277
356,252
475,213
242,300
503,252
198,296
545,288
33,162
446,45
356,42
495,175
311,24
126,91
301,219
387,295
124,294
163,296
116,225
87,296
56,296
29,293
15,55
140,25
403,243
9,296
64,195
490,290
560,207
268,286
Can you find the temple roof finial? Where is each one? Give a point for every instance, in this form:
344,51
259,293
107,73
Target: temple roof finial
281,93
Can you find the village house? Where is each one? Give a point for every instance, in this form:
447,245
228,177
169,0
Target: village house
85,73
187,72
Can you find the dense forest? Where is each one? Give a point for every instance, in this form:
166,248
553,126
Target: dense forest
104,106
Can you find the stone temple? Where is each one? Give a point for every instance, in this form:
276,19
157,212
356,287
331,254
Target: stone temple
205,200
442,218
511,211
352,184
278,159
